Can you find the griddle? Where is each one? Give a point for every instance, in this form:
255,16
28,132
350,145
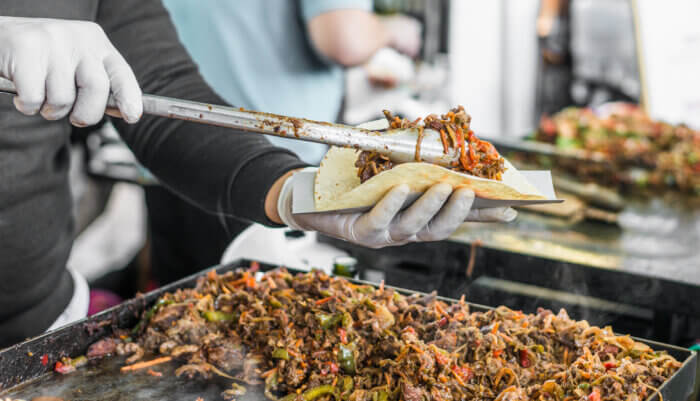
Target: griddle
24,376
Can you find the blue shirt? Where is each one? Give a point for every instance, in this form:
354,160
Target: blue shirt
256,54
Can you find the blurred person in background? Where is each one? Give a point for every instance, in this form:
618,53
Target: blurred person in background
279,56
587,54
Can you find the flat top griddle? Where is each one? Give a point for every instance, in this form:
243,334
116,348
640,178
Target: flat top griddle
656,235
25,376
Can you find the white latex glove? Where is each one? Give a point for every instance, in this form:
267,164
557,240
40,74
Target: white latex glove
61,65
405,34
432,217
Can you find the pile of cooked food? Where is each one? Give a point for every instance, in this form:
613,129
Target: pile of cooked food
476,157
316,337
643,152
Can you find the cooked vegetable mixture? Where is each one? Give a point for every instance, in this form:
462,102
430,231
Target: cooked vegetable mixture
659,154
314,337
476,157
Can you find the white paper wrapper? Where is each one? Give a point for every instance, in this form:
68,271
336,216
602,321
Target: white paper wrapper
303,194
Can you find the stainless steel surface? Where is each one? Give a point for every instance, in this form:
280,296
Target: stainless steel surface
546,149
398,145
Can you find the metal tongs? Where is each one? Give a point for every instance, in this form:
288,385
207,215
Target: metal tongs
397,144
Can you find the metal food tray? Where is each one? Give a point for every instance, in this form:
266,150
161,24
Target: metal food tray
25,373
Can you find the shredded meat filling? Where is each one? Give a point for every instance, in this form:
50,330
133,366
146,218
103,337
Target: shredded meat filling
476,157
315,337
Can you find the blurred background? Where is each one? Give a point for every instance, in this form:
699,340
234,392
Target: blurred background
605,93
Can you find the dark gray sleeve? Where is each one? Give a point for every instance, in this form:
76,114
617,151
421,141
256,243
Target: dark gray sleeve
223,171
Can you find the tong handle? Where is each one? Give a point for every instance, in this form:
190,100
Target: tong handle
7,86
398,145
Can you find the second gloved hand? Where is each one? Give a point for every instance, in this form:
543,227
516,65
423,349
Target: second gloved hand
61,67
432,217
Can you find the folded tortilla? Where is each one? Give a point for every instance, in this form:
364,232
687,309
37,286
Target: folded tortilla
338,187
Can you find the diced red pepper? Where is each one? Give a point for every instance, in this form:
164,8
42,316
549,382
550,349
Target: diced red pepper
410,329
609,365
254,266
441,359
594,395
343,335
524,358
250,282
62,368
44,359
442,322
464,372
497,353
334,368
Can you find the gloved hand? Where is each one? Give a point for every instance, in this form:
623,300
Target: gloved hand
405,34
432,217
60,65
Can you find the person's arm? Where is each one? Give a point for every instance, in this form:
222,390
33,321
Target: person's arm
350,36
225,171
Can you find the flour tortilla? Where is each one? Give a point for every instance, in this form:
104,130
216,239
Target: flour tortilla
338,187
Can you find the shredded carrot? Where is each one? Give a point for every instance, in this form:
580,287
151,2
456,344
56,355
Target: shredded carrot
146,364
241,280
415,348
271,282
388,379
323,301
299,343
268,373
211,274
402,354
453,137
443,138
459,379
154,373
381,286
418,142
335,381
439,309
505,337
496,325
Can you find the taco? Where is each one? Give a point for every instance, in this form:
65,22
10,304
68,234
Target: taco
341,184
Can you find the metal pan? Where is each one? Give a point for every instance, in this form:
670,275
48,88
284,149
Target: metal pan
24,375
